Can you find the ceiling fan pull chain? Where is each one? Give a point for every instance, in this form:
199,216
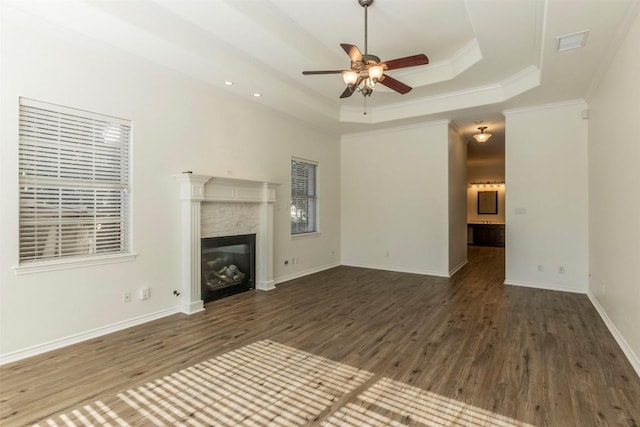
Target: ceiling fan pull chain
365,106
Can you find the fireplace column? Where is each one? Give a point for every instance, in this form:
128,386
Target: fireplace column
192,195
265,280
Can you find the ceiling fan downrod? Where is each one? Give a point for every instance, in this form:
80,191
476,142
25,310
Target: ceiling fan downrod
365,4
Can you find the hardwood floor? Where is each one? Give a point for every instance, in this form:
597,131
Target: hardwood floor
362,344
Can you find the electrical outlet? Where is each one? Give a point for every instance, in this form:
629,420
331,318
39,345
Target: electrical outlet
540,268
126,297
144,293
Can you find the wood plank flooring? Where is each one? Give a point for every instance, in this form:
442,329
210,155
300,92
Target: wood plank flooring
469,343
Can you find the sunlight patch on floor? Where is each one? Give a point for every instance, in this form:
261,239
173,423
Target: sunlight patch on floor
270,384
97,414
397,404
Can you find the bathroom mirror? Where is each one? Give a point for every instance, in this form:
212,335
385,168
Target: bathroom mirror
487,202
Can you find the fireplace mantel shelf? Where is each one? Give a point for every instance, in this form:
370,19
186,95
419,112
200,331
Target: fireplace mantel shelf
197,189
207,188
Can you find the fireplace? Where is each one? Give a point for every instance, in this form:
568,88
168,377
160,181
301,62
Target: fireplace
228,265
224,203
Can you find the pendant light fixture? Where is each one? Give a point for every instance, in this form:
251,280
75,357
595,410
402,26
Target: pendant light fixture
482,137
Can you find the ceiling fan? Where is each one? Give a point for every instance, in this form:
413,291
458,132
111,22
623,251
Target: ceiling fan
366,70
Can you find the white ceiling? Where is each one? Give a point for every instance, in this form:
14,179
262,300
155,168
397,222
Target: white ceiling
485,55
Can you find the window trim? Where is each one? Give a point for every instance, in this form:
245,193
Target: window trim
73,262
316,230
28,266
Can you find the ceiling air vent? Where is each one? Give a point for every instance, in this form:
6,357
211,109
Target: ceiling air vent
572,41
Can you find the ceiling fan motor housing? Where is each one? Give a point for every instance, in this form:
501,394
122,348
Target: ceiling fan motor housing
364,3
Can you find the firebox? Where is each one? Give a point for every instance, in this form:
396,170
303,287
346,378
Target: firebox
228,265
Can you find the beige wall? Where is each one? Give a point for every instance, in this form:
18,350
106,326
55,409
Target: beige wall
178,124
457,201
546,209
394,199
614,195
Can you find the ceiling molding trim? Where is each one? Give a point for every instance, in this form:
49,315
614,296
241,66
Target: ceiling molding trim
521,82
616,41
542,12
515,84
463,59
469,55
444,122
550,106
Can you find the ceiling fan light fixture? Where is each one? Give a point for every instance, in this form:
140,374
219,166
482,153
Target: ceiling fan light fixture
375,72
482,136
367,87
350,77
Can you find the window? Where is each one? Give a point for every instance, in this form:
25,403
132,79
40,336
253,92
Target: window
304,198
74,183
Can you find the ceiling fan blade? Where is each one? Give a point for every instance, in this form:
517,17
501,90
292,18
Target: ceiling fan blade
394,84
409,61
309,73
353,52
347,92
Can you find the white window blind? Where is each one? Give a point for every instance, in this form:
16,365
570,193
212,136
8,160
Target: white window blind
74,183
303,197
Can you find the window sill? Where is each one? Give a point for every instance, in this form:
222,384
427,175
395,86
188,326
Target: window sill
39,267
305,235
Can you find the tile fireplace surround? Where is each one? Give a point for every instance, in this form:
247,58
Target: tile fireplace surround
220,195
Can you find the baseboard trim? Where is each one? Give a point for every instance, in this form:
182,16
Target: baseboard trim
458,267
400,270
266,285
544,286
14,356
626,349
299,274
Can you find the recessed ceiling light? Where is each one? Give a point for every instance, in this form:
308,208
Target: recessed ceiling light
257,95
228,83
572,41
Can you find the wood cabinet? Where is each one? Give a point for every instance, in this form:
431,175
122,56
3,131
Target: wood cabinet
486,234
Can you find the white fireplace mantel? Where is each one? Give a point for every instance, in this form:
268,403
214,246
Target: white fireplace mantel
198,189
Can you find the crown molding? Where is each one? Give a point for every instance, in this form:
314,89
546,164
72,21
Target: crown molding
444,122
550,106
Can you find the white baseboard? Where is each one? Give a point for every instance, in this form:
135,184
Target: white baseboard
400,270
83,336
457,268
544,286
192,307
631,356
299,274
266,285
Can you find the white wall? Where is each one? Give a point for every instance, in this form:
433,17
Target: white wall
614,194
457,201
394,199
546,171
179,124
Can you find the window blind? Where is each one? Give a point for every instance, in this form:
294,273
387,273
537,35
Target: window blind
303,197
74,183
